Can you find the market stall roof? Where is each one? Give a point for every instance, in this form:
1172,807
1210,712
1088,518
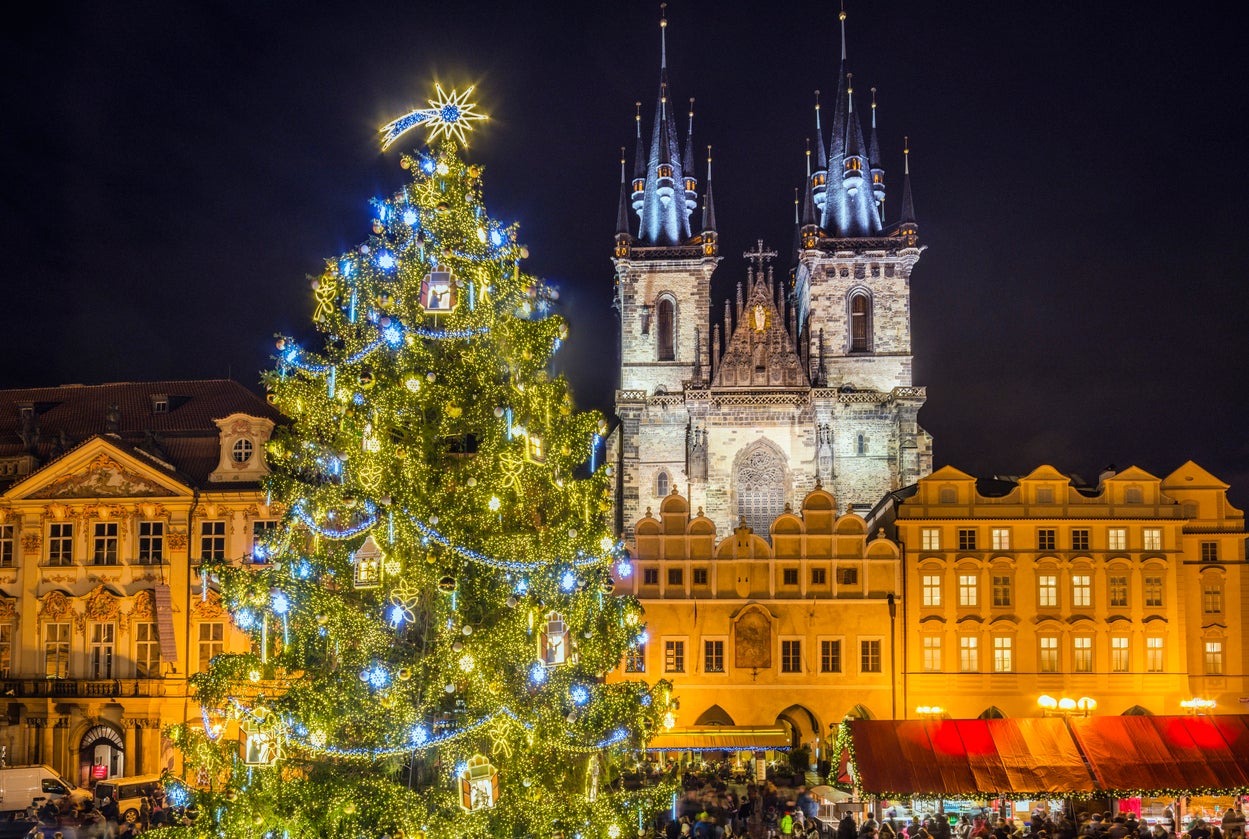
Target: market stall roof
719,737
1165,755
1027,756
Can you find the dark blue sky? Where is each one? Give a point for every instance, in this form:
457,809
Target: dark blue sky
174,171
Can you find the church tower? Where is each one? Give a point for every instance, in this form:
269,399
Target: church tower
663,294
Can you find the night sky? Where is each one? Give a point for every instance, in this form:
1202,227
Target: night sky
174,172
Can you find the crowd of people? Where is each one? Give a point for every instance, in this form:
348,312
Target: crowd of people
84,820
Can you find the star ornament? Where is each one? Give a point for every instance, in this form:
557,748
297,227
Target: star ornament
448,115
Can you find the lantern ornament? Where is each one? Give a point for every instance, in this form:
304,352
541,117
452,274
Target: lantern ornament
261,741
368,564
553,640
438,292
479,784
535,452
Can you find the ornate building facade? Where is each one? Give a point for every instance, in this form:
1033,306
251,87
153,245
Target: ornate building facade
803,382
112,494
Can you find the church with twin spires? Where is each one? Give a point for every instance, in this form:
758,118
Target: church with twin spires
805,380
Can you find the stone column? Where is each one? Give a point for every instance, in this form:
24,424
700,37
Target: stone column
133,761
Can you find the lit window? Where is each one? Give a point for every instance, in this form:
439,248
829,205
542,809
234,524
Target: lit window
1214,658
932,653
6,546
242,451
1047,591
1119,656
211,643
853,164
1153,591
1209,551
1117,539
1080,539
1081,591
674,656
1117,585
930,538
104,543
1003,655
1082,654
1001,591
1152,539
969,654
931,590
791,656
968,589
262,530
830,656
1154,658
869,656
635,659
966,539
713,656
1001,538
1046,539
1047,654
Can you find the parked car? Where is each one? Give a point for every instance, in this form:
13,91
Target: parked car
128,793
22,785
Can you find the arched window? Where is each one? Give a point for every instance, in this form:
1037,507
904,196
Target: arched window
662,483
760,486
853,164
860,323
860,445
665,318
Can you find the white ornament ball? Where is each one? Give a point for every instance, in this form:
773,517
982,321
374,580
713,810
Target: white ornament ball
467,630
449,688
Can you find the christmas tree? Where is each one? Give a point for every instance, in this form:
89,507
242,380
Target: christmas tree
433,617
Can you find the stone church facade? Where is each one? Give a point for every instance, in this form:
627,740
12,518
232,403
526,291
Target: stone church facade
806,380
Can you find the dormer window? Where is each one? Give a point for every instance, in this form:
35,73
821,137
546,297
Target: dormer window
160,403
818,180
689,184
665,171
242,450
853,164
877,178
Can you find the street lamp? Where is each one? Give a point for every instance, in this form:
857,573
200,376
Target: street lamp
930,712
1066,706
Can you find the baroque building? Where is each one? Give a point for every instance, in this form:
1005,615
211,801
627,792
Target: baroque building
111,496
804,383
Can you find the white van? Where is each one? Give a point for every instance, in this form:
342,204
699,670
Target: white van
128,793
21,785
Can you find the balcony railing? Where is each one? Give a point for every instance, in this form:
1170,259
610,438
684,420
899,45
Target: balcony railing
81,688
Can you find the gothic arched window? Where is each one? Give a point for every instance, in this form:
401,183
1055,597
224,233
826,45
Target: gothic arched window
661,483
860,322
665,318
760,486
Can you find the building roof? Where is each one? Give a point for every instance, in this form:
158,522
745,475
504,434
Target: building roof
183,436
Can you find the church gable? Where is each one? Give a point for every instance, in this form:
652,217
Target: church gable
760,352
98,469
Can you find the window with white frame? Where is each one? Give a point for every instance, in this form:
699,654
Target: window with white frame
1082,654
1046,538
932,653
1117,590
713,656
1212,596
1153,590
1080,539
1003,654
1047,591
1002,585
1047,654
1001,538
930,590
212,540
262,530
674,656
7,556
967,538
56,650
1210,551
146,651
61,543
968,589
151,542
6,650
104,543
101,649
635,659
1120,657
1155,658
1117,539
1151,539
969,654
1081,591
791,656
930,538
830,655
211,643
1214,658
869,655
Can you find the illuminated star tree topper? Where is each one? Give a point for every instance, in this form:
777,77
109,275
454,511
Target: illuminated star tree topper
448,115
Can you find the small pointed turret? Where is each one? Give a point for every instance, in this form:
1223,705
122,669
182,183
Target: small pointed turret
907,225
834,215
821,158
687,164
711,245
873,158
622,212
639,164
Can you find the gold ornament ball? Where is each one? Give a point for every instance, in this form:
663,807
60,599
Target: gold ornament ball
442,207
454,411
377,226
405,673
258,820
232,795
366,378
524,252
349,808
447,584
322,620
405,163
474,171
387,701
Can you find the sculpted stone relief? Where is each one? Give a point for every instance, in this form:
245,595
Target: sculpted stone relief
752,640
103,478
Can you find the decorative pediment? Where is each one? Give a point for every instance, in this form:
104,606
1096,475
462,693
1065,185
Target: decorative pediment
102,477
55,605
208,608
102,605
761,351
8,609
144,607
